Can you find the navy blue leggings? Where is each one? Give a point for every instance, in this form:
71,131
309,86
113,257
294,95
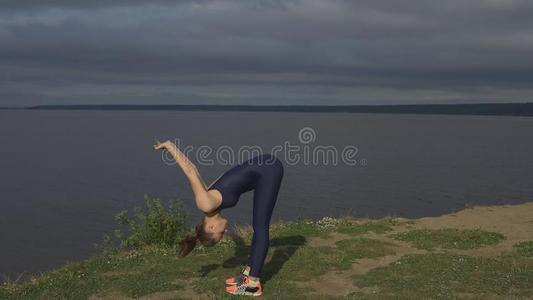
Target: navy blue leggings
263,174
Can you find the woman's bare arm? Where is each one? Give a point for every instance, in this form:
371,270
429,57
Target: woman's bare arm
205,201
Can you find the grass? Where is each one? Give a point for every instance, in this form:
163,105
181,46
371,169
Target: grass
445,275
157,268
377,226
524,248
323,227
449,238
296,267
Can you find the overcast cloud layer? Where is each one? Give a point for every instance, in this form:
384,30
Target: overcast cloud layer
265,52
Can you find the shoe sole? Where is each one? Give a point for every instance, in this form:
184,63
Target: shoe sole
246,294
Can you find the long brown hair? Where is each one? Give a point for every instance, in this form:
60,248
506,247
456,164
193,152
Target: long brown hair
189,242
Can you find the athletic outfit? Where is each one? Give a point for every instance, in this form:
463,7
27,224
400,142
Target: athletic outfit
263,174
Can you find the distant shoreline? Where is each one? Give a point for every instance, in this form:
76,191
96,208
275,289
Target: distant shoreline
496,109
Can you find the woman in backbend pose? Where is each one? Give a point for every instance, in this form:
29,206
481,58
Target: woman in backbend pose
263,174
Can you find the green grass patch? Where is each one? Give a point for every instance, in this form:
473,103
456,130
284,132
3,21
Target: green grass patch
524,248
449,238
133,273
326,225
288,260
445,275
309,262
151,280
304,227
377,226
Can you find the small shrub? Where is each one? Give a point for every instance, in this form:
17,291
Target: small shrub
154,225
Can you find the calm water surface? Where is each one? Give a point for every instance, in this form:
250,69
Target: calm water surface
65,174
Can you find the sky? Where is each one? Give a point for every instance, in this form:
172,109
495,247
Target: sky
328,52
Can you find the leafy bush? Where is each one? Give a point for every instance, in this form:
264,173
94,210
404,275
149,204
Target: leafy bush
153,225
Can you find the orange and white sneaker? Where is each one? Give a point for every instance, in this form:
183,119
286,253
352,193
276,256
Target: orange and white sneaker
238,279
245,289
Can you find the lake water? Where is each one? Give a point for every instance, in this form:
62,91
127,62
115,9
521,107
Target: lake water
65,174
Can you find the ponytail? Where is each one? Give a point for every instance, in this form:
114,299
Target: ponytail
190,241
187,244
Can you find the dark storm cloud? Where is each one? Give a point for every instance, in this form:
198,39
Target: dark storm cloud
265,51
40,4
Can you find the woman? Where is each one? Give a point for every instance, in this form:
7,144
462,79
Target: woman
263,175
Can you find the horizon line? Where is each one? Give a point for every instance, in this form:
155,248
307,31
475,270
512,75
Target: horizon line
260,105
493,109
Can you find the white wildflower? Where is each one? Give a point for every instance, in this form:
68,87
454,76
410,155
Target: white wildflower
327,222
